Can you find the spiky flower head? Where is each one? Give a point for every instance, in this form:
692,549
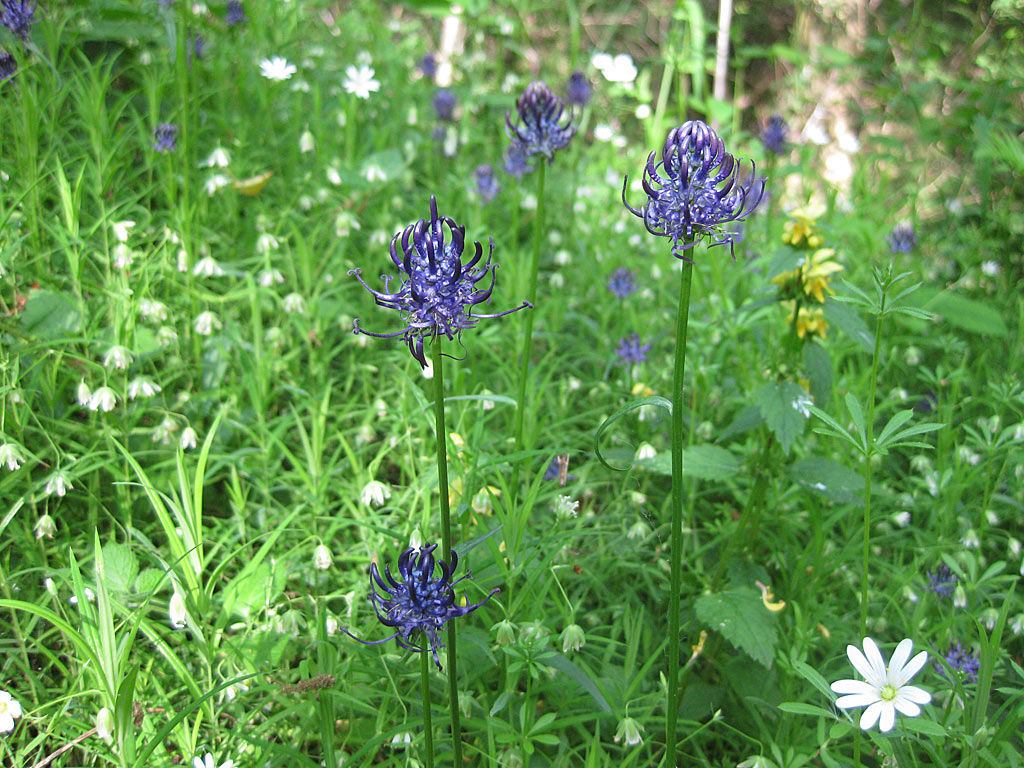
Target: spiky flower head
965,664
18,16
539,129
578,90
417,605
8,66
774,135
942,581
428,65
902,239
515,161
235,13
438,292
622,282
444,104
486,184
165,137
631,351
696,189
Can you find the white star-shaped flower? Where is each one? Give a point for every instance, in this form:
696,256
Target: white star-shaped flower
885,691
277,68
359,80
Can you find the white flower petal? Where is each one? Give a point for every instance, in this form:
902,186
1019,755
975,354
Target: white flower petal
915,694
861,663
908,708
870,716
888,718
853,686
898,659
857,700
904,675
874,657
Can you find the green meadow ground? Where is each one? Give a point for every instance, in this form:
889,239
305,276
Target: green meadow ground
199,460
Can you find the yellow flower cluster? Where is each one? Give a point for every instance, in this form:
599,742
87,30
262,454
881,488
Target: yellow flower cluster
811,320
800,232
813,275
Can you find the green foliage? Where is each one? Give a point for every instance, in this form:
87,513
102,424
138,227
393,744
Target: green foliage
742,619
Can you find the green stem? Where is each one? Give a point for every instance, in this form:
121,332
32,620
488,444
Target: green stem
682,321
869,428
524,356
428,732
446,536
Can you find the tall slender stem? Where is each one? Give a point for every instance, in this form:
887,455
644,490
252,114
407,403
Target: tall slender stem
446,535
682,322
428,731
869,428
524,355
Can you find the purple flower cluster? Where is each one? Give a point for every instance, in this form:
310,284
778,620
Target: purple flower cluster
438,292
631,351
539,129
902,239
578,90
8,66
18,16
964,663
418,605
774,135
444,104
235,13
486,184
622,282
942,581
695,189
165,137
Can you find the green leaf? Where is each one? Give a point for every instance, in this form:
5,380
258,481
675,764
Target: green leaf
653,400
148,580
121,567
923,725
829,479
564,665
705,461
964,313
50,315
800,708
819,371
846,319
784,409
740,616
747,419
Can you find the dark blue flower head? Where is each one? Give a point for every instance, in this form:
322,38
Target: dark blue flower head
622,282
902,238
8,66
695,189
774,135
438,291
486,183
964,663
942,581
539,129
18,16
515,161
195,46
235,13
428,65
418,605
578,90
444,104
166,137
631,350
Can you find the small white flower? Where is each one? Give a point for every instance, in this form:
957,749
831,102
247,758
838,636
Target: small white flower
401,740
959,597
124,257
269,277
902,519
276,68
620,70
990,268
219,158
166,336
45,526
59,484
629,729
9,710
103,399
333,176
306,142
344,223
215,183
322,558
802,404
266,243
1017,624
82,394
374,172
118,357
121,229
90,596
105,725
1013,545
375,493
294,304
565,507
142,387
604,132
644,452
188,439
643,111
153,311
601,61
207,323
209,762
971,540
573,638
207,267
360,81
10,454
886,690
176,611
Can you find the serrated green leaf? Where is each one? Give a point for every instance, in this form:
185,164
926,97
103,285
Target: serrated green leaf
121,567
50,315
846,319
148,580
739,615
705,461
784,407
747,419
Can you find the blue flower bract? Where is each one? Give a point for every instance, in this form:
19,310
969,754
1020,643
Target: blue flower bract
438,291
774,135
18,16
417,605
695,190
539,129
631,351
165,137
902,239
